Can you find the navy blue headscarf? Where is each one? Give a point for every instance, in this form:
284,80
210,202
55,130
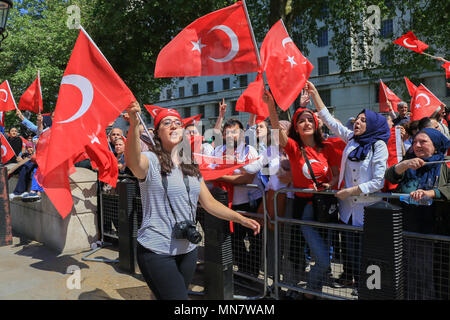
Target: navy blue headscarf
429,174
377,128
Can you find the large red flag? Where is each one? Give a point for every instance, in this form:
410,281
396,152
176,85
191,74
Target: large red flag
251,100
411,87
7,102
215,44
153,110
91,96
385,95
424,103
31,99
410,41
7,151
287,70
446,66
213,168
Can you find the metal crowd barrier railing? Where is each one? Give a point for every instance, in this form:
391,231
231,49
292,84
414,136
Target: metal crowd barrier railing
426,257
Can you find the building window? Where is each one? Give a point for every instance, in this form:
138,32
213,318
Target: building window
322,62
322,38
181,92
385,58
326,96
210,86
377,92
234,112
186,112
387,28
169,94
217,110
243,81
201,110
226,83
195,89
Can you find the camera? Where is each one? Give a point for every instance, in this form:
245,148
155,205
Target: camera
187,230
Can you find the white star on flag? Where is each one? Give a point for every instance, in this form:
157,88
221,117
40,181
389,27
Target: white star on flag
291,61
198,45
417,105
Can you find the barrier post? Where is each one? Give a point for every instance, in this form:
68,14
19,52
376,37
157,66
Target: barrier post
5,213
218,254
127,225
381,274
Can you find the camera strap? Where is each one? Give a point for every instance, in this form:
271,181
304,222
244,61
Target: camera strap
165,186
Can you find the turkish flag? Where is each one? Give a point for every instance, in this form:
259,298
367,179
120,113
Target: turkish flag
394,146
424,103
215,44
213,168
7,102
153,110
31,99
2,119
103,159
251,100
410,41
386,94
411,87
7,151
446,66
287,70
91,96
193,119
24,141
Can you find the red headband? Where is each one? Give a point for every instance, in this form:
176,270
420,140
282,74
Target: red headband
165,113
300,111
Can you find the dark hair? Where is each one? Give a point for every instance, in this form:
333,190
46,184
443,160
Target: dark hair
231,123
424,123
268,139
413,126
165,159
293,134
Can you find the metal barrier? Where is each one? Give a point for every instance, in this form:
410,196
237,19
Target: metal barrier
250,251
426,257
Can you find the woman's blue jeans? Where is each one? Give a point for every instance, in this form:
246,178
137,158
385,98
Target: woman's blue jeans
319,251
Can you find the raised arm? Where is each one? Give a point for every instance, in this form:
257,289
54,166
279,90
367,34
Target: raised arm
222,111
335,127
137,162
274,120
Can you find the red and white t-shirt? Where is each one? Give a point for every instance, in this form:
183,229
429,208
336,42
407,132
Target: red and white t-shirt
321,162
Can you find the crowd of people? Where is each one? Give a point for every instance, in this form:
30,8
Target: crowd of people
312,151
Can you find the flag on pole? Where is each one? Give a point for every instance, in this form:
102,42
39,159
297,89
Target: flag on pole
446,66
31,99
385,95
411,87
424,103
7,102
287,70
410,41
91,96
215,44
251,100
7,150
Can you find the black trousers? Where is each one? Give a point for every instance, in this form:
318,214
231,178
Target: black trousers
168,277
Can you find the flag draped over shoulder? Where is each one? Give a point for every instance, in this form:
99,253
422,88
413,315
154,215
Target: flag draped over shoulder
91,96
215,44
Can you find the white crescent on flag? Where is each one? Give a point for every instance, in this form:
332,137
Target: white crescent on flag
234,43
87,92
286,40
425,96
6,95
4,151
405,42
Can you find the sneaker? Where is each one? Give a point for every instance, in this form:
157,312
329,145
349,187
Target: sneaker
14,196
31,197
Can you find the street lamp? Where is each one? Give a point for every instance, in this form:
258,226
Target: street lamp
5,5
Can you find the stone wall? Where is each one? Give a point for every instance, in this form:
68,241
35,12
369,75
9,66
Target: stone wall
41,222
